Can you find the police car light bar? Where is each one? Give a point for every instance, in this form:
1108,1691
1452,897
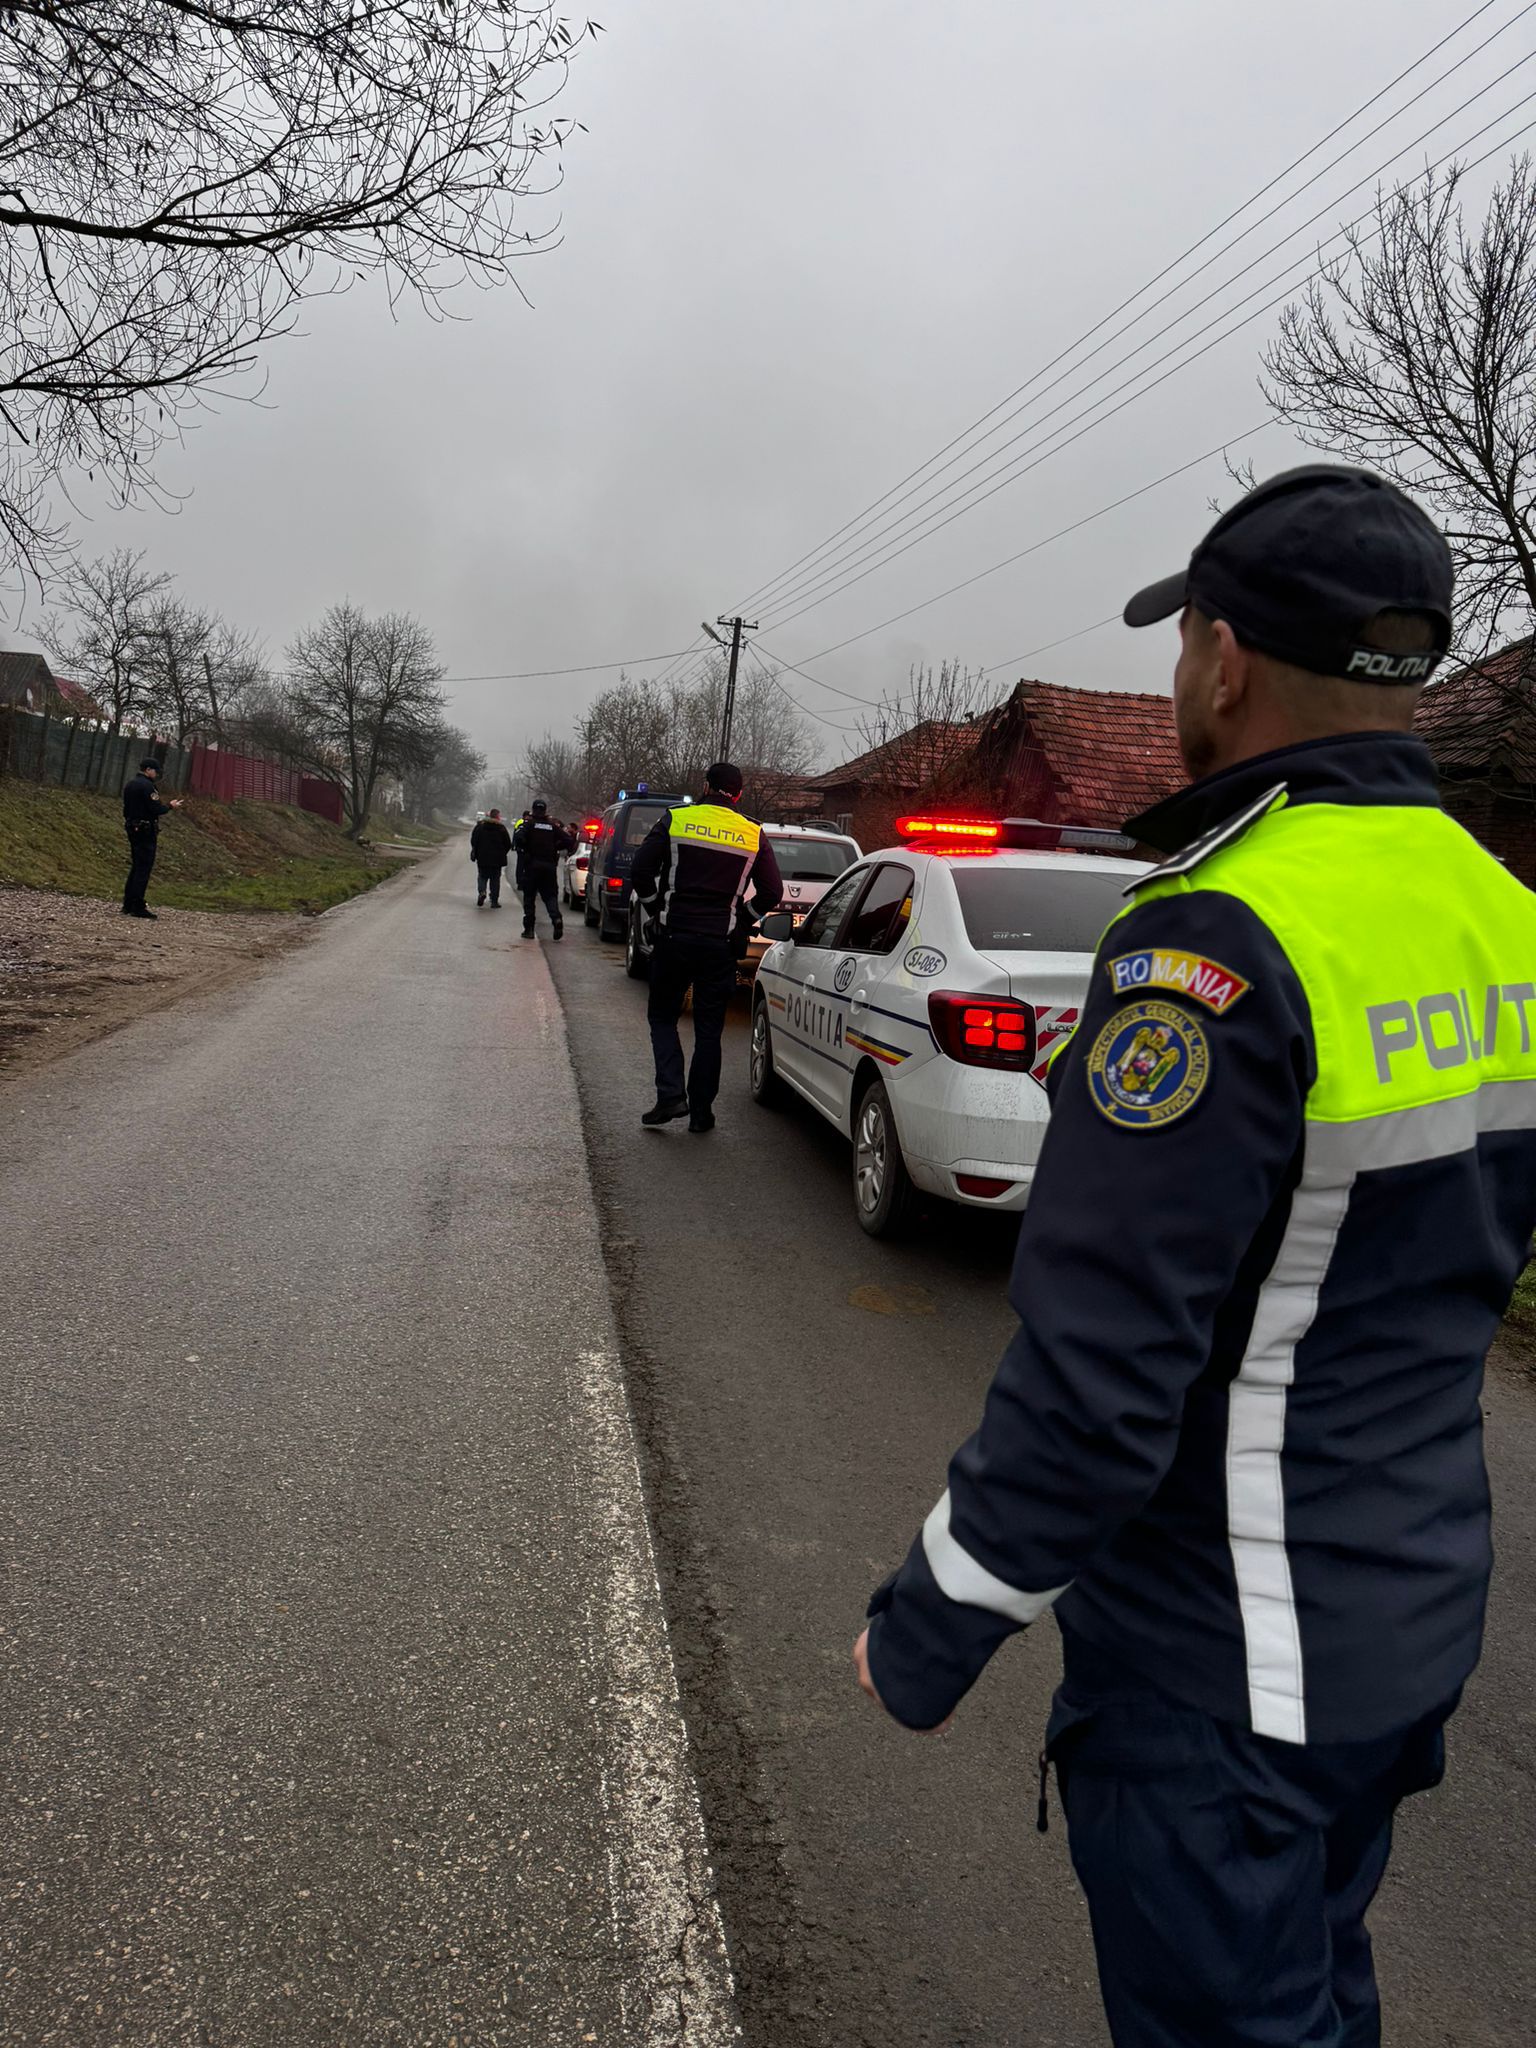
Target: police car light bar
1017,832
949,828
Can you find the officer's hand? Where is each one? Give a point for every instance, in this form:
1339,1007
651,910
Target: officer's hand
175,803
861,1665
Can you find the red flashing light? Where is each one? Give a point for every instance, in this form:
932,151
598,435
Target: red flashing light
984,1031
589,829
949,828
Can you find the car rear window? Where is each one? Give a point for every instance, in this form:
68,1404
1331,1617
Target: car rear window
1037,910
811,860
639,819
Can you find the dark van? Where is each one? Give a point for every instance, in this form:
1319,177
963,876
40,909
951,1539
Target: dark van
624,825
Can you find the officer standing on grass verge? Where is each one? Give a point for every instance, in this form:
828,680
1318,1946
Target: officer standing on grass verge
1287,1188
540,843
692,875
142,812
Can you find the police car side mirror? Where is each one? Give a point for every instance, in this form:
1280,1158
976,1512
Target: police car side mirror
778,924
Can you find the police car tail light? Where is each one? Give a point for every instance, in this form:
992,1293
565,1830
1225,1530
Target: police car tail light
983,1031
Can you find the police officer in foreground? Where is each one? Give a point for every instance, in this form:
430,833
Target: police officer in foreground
1288,1185
142,812
692,875
540,842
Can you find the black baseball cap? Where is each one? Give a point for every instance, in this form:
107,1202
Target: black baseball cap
539,807
147,763
1301,565
724,777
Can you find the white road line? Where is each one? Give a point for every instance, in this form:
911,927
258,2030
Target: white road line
679,1992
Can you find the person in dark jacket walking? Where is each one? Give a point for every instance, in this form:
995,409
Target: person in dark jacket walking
142,812
540,841
489,845
1287,1188
691,875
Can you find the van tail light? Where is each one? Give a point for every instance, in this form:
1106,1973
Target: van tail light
984,1031
615,881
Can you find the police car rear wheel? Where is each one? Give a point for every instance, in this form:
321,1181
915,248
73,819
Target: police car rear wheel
882,1187
762,1076
589,915
636,964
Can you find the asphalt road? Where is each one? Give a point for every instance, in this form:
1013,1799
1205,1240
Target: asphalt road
335,1700
798,1391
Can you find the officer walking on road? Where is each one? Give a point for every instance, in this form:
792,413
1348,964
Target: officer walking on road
692,875
1288,1185
489,845
142,812
540,843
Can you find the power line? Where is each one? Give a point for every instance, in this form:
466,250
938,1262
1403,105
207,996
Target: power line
830,723
861,518
887,550
586,668
1096,416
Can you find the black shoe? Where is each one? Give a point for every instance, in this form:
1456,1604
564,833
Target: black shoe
559,931
495,906
527,931
140,913
479,903
700,1122
665,1112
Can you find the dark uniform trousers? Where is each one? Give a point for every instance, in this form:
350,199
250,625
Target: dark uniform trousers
1228,1875
708,967
539,887
141,864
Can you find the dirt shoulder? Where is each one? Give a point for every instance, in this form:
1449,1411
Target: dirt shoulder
73,968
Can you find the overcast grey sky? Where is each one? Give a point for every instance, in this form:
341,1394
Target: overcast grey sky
804,245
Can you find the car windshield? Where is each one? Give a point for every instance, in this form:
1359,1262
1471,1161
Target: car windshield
811,860
639,819
1037,910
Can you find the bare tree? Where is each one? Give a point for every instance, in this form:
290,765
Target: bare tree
103,636
446,780
1415,355
364,694
176,695
937,714
176,176
558,770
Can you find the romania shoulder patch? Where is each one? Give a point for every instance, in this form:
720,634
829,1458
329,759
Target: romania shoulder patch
1148,1066
1184,974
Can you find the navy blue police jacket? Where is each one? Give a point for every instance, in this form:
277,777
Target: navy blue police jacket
1236,1440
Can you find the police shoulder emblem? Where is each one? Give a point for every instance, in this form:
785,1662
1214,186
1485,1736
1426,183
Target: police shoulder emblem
1148,1066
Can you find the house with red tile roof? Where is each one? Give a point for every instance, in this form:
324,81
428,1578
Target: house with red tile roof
867,794
1097,757
1480,725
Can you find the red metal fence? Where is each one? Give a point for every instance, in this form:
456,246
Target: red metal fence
83,755
215,772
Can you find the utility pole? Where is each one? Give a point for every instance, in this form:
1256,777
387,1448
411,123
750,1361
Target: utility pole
738,627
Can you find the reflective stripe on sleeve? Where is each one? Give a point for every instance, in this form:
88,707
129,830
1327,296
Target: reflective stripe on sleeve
1430,1130
971,1584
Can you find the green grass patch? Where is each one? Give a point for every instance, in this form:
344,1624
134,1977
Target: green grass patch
402,832
1520,1323
240,856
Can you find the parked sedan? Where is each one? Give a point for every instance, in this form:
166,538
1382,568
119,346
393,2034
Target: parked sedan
917,1006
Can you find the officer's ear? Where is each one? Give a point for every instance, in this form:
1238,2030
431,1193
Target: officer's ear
1232,669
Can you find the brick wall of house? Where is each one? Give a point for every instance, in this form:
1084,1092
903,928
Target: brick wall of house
1504,823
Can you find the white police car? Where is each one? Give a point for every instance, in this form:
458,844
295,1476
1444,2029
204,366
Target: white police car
917,1006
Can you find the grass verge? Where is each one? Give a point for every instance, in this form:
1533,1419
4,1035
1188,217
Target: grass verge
213,856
